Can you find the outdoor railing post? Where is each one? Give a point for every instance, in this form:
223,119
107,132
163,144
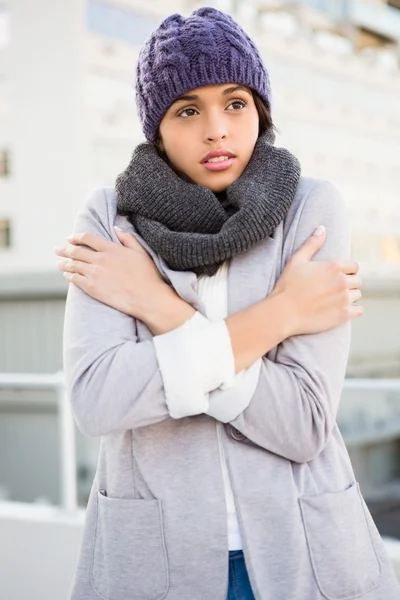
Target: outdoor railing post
67,450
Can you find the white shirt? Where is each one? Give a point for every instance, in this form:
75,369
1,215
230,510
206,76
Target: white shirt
198,369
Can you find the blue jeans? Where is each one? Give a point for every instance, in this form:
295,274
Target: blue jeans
239,584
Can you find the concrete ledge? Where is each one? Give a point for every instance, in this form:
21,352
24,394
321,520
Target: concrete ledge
393,548
40,284
40,545
38,551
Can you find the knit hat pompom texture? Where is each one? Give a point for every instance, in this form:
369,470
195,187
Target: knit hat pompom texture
206,48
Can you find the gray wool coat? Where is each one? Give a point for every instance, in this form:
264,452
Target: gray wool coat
156,525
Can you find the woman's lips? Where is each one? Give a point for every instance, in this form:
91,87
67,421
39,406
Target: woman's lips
220,165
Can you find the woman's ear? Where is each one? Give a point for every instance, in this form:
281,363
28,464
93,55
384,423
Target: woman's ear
160,144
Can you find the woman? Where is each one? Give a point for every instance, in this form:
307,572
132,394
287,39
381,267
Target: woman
208,349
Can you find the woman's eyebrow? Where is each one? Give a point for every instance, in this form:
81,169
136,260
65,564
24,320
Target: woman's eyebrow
193,97
185,98
235,88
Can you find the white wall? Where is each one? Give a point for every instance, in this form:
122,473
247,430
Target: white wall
39,548
38,552
74,126
49,142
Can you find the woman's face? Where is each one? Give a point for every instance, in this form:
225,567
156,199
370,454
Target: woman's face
220,119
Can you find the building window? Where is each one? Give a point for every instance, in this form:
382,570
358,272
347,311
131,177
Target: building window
376,250
390,249
5,233
5,29
120,24
4,163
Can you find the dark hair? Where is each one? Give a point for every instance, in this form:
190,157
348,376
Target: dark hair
264,116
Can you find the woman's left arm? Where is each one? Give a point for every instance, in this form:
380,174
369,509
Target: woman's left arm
287,405
293,406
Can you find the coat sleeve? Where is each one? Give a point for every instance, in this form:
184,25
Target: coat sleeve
113,381
294,407
116,382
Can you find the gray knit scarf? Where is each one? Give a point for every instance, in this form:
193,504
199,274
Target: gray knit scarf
194,229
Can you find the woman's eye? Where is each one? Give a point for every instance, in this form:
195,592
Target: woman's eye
187,110
238,104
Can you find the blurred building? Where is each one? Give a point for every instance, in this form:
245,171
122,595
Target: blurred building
68,125
68,121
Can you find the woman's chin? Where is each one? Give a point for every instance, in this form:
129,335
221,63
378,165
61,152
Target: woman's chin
217,181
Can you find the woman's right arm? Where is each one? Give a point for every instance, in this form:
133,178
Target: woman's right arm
309,298
113,380
289,407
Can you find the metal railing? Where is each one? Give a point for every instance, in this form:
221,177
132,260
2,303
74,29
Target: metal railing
55,382
369,412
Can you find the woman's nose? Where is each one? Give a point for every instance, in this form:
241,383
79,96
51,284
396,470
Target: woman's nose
216,137
215,131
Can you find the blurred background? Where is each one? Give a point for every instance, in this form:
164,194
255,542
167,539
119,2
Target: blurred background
68,125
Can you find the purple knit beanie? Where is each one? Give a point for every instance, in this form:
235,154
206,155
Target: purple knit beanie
206,48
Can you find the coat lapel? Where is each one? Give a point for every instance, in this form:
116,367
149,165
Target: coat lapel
185,285
251,275
183,282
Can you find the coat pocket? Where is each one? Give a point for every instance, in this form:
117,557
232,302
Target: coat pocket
341,548
129,554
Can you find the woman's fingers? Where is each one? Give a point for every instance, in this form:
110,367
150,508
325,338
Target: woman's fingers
85,246
128,240
354,296
348,267
356,310
74,266
92,240
81,253
354,282
310,246
79,280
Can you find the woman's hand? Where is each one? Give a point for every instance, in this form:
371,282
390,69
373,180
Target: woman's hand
318,295
123,277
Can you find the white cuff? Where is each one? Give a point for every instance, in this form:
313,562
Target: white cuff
194,359
225,404
213,354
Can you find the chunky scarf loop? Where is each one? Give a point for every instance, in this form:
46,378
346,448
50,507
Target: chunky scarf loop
188,225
